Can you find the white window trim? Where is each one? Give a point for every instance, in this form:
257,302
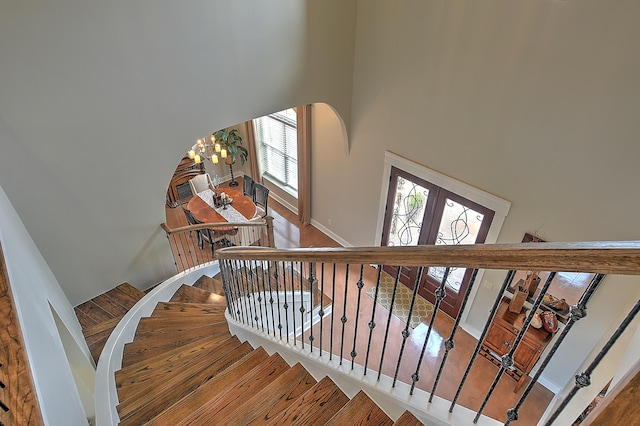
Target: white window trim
499,205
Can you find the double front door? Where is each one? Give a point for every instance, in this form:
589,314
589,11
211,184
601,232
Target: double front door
418,213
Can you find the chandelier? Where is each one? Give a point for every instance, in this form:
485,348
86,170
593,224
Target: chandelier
207,148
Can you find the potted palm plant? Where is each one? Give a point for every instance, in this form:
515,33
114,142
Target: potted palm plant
231,141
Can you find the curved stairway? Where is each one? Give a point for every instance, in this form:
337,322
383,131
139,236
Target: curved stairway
184,368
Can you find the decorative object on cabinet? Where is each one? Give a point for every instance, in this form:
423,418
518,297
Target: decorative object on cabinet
502,334
565,289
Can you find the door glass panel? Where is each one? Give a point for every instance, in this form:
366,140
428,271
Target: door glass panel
409,203
459,225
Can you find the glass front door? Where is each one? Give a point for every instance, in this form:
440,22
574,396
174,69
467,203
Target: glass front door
419,212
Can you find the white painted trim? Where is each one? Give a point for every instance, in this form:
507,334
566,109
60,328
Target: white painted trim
106,397
331,234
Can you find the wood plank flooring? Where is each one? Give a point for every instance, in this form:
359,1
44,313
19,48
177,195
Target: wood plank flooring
100,315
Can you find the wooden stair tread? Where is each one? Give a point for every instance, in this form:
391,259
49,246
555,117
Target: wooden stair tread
131,291
173,356
316,406
212,285
144,349
161,324
131,386
182,308
188,293
361,410
147,404
181,409
249,383
407,419
107,325
272,399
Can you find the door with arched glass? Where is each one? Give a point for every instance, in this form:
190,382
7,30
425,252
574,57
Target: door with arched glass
419,212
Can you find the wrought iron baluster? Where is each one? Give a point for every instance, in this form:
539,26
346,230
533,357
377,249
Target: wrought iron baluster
255,284
266,280
406,332
372,323
333,311
449,343
507,359
312,272
301,309
487,324
578,312
249,293
286,300
260,276
441,293
321,311
276,276
584,379
359,284
386,330
293,301
343,319
240,301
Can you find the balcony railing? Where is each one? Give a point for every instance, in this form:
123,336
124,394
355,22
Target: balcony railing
195,245
260,284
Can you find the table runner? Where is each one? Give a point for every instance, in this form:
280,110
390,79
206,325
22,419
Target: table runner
230,214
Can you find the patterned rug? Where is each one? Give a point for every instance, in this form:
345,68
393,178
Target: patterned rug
421,309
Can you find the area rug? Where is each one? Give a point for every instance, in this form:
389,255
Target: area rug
421,309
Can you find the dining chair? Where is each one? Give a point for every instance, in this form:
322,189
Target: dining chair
248,185
260,198
200,183
203,235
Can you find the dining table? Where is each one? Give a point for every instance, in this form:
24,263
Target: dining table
204,211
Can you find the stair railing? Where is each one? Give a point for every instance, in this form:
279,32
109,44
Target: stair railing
196,245
260,284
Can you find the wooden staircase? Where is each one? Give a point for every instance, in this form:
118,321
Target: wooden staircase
100,315
184,368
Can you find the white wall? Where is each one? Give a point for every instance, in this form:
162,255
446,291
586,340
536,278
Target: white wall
100,100
34,287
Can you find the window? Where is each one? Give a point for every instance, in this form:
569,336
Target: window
277,141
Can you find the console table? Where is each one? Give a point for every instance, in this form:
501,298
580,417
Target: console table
502,333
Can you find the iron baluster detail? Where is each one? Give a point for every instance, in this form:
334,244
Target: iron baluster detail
584,379
343,319
578,312
372,323
508,358
406,332
386,330
441,293
301,308
476,350
285,306
360,285
274,273
321,311
271,301
312,281
333,311
449,343
293,301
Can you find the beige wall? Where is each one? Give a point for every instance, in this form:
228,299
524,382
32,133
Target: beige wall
533,101
100,100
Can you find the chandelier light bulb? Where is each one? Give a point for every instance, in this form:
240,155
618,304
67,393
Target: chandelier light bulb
223,153
192,154
214,159
218,147
197,159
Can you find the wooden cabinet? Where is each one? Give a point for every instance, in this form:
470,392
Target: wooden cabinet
179,189
502,334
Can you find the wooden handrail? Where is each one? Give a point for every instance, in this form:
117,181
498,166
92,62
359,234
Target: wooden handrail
610,257
19,404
